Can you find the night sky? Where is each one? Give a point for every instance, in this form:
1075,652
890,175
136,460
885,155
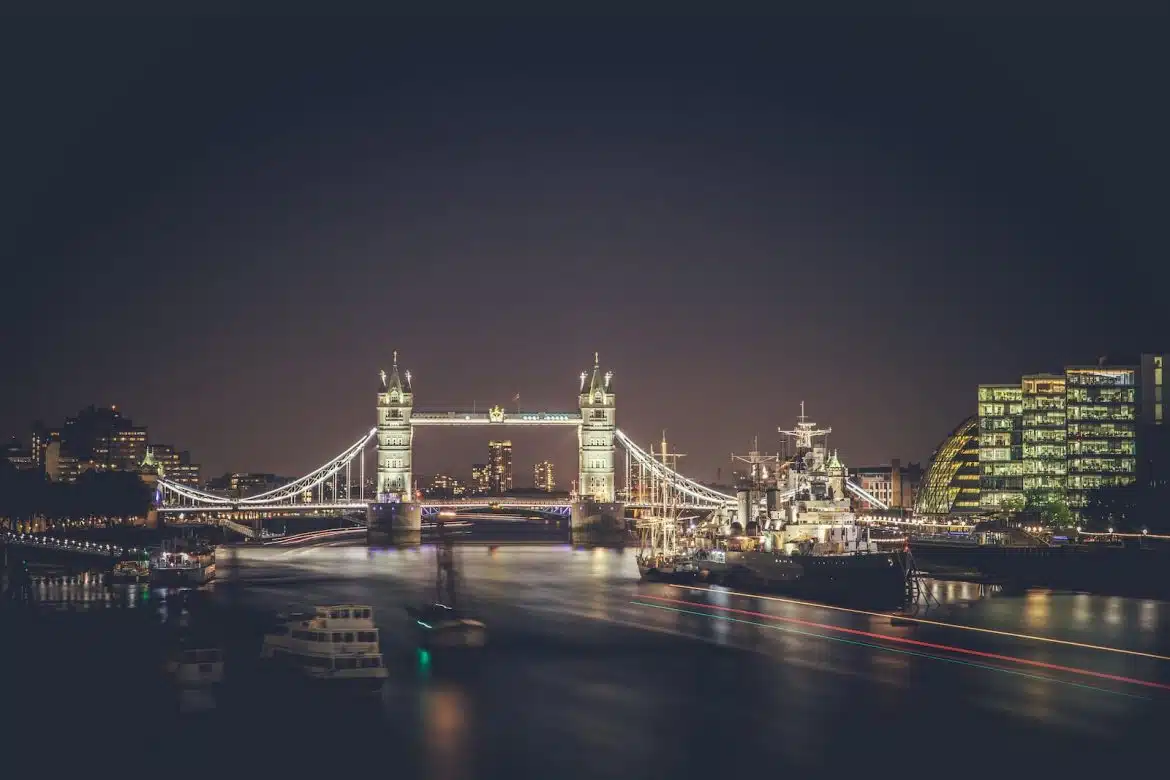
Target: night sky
227,228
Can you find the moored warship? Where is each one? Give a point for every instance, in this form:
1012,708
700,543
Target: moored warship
805,540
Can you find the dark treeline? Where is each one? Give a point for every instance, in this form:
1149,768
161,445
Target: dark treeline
1129,509
24,494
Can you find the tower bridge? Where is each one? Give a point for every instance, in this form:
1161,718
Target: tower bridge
596,506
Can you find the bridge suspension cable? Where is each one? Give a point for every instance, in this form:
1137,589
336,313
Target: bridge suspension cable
287,492
704,495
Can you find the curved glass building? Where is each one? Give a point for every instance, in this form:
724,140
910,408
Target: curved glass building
951,484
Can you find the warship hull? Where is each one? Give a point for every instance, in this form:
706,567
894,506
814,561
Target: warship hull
876,579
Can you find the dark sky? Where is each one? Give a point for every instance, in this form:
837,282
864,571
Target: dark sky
226,227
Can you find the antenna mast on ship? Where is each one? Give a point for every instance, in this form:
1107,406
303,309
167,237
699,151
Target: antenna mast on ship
805,432
758,463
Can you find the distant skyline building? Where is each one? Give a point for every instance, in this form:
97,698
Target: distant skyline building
60,465
18,456
176,465
499,467
894,485
544,477
481,478
101,438
245,484
446,486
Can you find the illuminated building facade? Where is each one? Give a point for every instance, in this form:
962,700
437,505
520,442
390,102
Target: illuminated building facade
1153,404
60,465
103,439
127,448
1043,422
951,482
242,485
481,478
1153,433
1101,410
543,477
1063,436
499,467
446,486
176,465
1001,467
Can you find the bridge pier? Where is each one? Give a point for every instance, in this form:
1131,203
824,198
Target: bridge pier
594,522
395,523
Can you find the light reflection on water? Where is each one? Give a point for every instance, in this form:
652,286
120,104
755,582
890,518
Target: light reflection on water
572,683
445,711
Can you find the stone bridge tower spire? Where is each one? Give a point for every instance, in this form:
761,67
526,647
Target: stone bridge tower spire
395,403
598,423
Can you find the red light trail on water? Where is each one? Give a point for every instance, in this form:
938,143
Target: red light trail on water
918,643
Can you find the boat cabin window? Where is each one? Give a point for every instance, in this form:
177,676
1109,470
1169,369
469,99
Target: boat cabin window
371,663
367,636
311,636
345,663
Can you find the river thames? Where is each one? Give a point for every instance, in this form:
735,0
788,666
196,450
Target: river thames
591,673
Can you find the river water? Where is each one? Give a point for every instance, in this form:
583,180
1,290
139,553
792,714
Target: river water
591,673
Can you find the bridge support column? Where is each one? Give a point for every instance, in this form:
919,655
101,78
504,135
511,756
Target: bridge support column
593,522
394,523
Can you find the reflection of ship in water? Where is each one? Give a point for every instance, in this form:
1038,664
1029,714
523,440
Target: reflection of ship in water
805,540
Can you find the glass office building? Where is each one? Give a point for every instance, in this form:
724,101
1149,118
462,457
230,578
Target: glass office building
1001,464
951,484
1043,424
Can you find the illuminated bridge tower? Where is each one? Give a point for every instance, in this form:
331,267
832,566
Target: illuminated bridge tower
598,422
395,402
595,515
395,517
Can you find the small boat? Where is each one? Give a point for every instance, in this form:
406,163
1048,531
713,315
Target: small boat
336,647
176,566
130,571
441,626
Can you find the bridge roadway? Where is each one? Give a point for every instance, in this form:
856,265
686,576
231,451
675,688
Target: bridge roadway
593,674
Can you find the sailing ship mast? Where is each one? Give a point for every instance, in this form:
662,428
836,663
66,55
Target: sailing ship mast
660,528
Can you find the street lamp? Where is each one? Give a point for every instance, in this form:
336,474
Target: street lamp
1110,529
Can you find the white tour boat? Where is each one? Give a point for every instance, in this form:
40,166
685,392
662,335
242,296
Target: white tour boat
337,645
